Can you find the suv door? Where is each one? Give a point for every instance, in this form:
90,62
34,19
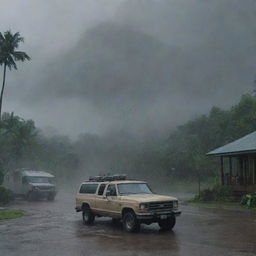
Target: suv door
25,185
109,202
100,198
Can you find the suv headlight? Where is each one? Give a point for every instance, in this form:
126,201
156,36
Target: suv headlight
143,206
175,204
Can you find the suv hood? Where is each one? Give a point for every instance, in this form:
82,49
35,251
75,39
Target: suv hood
145,198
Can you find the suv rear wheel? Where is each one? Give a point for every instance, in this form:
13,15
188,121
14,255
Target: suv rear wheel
88,216
130,222
167,224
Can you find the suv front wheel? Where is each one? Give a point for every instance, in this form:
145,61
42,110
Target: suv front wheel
88,216
167,224
130,222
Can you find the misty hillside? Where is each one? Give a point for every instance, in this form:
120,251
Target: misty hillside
125,73
218,38
148,73
145,68
114,61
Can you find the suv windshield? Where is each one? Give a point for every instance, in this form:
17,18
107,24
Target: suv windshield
36,179
133,188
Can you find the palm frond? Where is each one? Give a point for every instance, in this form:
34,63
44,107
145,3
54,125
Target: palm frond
1,37
11,63
20,56
8,43
2,59
16,39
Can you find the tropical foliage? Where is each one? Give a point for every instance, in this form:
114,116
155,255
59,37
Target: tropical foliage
23,145
185,151
5,196
9,43
249,200
217,193
182,156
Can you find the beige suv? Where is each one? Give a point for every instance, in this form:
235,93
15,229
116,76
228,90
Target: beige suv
129,201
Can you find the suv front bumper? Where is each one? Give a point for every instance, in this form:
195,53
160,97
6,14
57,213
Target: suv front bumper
43,193
157,215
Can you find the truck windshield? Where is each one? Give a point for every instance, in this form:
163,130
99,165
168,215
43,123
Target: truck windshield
133,188
36,179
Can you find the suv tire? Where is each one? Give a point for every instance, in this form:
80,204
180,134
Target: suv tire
51,197
168,223
130,222
88,216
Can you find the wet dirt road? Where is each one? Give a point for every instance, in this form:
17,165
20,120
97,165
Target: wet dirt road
54,228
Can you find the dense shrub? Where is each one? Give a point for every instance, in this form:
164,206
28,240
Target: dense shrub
5,195
217,193
249,200
222,193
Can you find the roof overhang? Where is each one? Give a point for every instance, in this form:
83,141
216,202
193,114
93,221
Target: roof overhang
235,153
37,174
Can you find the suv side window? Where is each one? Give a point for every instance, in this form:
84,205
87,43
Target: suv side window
101,189
112,190
88,188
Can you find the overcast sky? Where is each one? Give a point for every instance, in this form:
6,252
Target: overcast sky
50,28
166,62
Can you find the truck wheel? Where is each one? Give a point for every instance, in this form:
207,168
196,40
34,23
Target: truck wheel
88,216
130,222
168,223
31,196
50,197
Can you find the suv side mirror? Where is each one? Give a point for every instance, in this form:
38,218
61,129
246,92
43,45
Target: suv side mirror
108,193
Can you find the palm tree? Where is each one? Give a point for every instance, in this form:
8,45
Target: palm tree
8,55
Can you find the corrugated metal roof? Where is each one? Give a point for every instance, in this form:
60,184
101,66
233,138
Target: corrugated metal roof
246,144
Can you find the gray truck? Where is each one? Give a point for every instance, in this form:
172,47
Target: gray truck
31,184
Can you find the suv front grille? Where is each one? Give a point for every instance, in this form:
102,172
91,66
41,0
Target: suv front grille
166,205
45,188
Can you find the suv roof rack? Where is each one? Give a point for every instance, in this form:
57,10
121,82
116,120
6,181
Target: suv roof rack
108,177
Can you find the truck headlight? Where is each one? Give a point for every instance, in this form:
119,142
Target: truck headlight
143,206
175,204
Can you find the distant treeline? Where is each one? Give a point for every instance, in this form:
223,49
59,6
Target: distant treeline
23,145
185,153
182,155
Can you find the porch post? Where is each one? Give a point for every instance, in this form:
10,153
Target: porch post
246,166
230,170
221,169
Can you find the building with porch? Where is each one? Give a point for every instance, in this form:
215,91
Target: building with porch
238,163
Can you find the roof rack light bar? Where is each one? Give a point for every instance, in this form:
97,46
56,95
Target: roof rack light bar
108,178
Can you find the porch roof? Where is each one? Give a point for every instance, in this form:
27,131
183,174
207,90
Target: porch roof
244,145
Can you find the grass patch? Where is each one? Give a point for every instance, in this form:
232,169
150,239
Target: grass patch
10,214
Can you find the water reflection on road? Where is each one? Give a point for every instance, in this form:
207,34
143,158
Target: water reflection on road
54,228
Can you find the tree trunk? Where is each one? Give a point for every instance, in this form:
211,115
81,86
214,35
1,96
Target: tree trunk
2,92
